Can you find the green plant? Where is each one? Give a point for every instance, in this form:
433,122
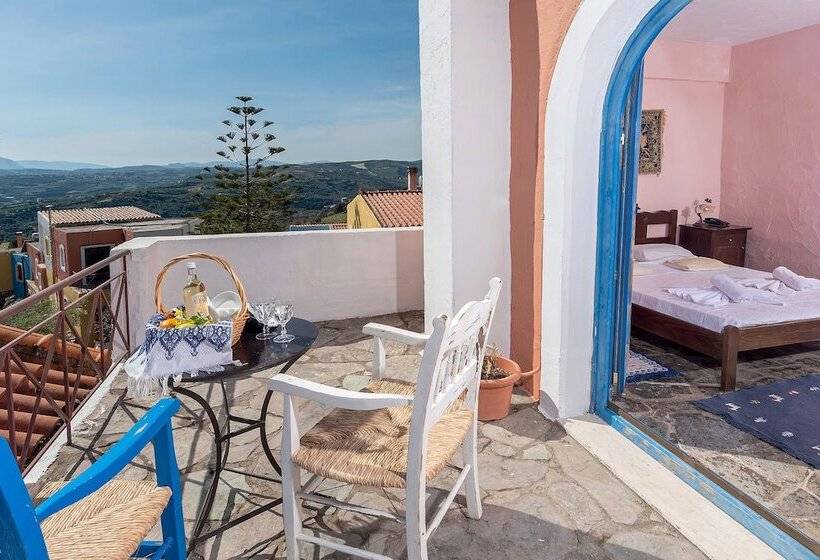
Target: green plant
39,312
251,196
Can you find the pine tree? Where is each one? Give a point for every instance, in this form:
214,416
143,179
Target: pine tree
250,195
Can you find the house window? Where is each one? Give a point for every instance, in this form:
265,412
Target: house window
48,246
19,272
91,255
63,263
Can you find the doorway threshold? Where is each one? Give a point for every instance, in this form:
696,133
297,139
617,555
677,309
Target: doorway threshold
701,521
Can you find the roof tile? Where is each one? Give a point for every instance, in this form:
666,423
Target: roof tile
107,215
396,208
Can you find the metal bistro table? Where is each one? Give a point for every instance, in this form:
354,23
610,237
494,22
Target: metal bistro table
254,356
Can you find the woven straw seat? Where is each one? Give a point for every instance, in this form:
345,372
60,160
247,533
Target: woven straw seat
107,525
370,447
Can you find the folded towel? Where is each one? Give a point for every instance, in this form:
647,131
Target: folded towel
742,294
710,297
794,280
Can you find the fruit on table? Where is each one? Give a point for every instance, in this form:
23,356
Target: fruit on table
168,323
176,319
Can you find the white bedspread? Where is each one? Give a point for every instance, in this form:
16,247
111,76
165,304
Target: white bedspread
648,291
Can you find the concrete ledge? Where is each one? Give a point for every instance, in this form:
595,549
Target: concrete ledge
698,519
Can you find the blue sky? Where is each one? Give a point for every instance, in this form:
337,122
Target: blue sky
126,82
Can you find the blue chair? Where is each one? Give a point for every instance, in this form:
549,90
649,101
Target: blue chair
96,516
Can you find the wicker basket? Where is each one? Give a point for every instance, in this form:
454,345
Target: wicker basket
241,317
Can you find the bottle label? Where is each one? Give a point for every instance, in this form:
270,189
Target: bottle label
199,304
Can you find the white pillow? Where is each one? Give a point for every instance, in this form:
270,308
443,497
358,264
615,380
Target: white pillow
659,252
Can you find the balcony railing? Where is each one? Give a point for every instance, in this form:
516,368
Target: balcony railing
50,368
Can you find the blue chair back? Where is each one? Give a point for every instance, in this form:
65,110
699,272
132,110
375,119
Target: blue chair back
20,536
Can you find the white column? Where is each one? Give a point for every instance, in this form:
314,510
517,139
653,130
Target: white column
465,95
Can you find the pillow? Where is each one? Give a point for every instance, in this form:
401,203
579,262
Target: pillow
659,252
641,269
697,263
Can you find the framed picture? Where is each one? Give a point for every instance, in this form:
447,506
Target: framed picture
651,154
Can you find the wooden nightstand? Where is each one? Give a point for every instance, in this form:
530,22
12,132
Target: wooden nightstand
725,244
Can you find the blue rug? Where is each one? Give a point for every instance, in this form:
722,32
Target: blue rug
642,368
784,414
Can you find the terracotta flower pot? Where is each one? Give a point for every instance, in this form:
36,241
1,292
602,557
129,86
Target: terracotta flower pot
494,395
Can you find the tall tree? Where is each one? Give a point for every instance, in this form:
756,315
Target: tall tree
251,194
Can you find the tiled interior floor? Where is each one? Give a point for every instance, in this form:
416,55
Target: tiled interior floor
544,495
787,486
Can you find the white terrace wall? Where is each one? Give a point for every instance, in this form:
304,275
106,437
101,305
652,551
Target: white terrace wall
325,274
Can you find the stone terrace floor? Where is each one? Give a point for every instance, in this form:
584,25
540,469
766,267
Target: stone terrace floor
544,496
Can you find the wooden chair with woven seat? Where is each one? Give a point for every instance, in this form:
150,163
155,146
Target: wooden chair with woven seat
94,516
395,434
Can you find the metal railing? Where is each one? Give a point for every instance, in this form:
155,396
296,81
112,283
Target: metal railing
49,369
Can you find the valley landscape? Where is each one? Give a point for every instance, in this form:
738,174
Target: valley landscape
173,190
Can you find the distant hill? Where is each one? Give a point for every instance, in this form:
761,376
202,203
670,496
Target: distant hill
174,191
9,164
58,165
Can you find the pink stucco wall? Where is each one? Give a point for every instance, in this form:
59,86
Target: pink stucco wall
771,149
687,81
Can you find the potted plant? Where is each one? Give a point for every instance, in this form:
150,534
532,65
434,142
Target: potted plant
498,376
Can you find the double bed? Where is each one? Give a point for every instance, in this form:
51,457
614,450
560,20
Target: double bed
719,332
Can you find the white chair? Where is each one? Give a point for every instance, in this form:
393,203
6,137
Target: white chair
396,434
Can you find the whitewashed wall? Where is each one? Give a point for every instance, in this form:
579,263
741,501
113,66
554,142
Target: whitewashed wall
465,103
575,104
325,274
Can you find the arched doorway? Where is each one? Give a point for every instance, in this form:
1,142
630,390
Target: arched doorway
589,205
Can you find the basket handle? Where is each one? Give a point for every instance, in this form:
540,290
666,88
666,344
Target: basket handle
240,288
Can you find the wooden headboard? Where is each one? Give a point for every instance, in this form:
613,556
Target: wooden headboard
669,218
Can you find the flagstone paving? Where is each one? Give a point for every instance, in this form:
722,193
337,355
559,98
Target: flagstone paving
785,485
544,496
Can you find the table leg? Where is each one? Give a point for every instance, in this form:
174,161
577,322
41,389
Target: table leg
219,463
221,453
263,418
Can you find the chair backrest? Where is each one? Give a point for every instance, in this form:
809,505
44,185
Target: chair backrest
20,535
451,365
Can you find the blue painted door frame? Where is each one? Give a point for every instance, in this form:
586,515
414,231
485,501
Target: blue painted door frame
616,210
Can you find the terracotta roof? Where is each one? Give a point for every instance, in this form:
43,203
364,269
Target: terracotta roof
111,215
396,208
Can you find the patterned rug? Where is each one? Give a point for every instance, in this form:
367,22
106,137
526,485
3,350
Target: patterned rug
641,368
783,414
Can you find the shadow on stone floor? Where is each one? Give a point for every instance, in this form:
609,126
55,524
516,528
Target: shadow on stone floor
502,533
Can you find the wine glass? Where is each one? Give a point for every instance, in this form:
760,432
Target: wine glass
283,313
263,312
273,320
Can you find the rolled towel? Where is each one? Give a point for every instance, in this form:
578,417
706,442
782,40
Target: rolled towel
741,294
794,280
767,284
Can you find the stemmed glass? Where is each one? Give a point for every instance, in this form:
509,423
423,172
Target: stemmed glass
263,312
283,314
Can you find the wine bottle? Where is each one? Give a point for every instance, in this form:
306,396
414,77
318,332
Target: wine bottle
194,295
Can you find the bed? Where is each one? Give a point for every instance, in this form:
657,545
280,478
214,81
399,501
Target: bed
717,332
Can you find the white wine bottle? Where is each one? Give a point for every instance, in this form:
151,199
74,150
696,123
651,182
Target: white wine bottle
194,295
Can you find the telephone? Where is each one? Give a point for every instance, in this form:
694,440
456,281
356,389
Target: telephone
716,222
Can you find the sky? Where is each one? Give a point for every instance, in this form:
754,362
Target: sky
124,82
